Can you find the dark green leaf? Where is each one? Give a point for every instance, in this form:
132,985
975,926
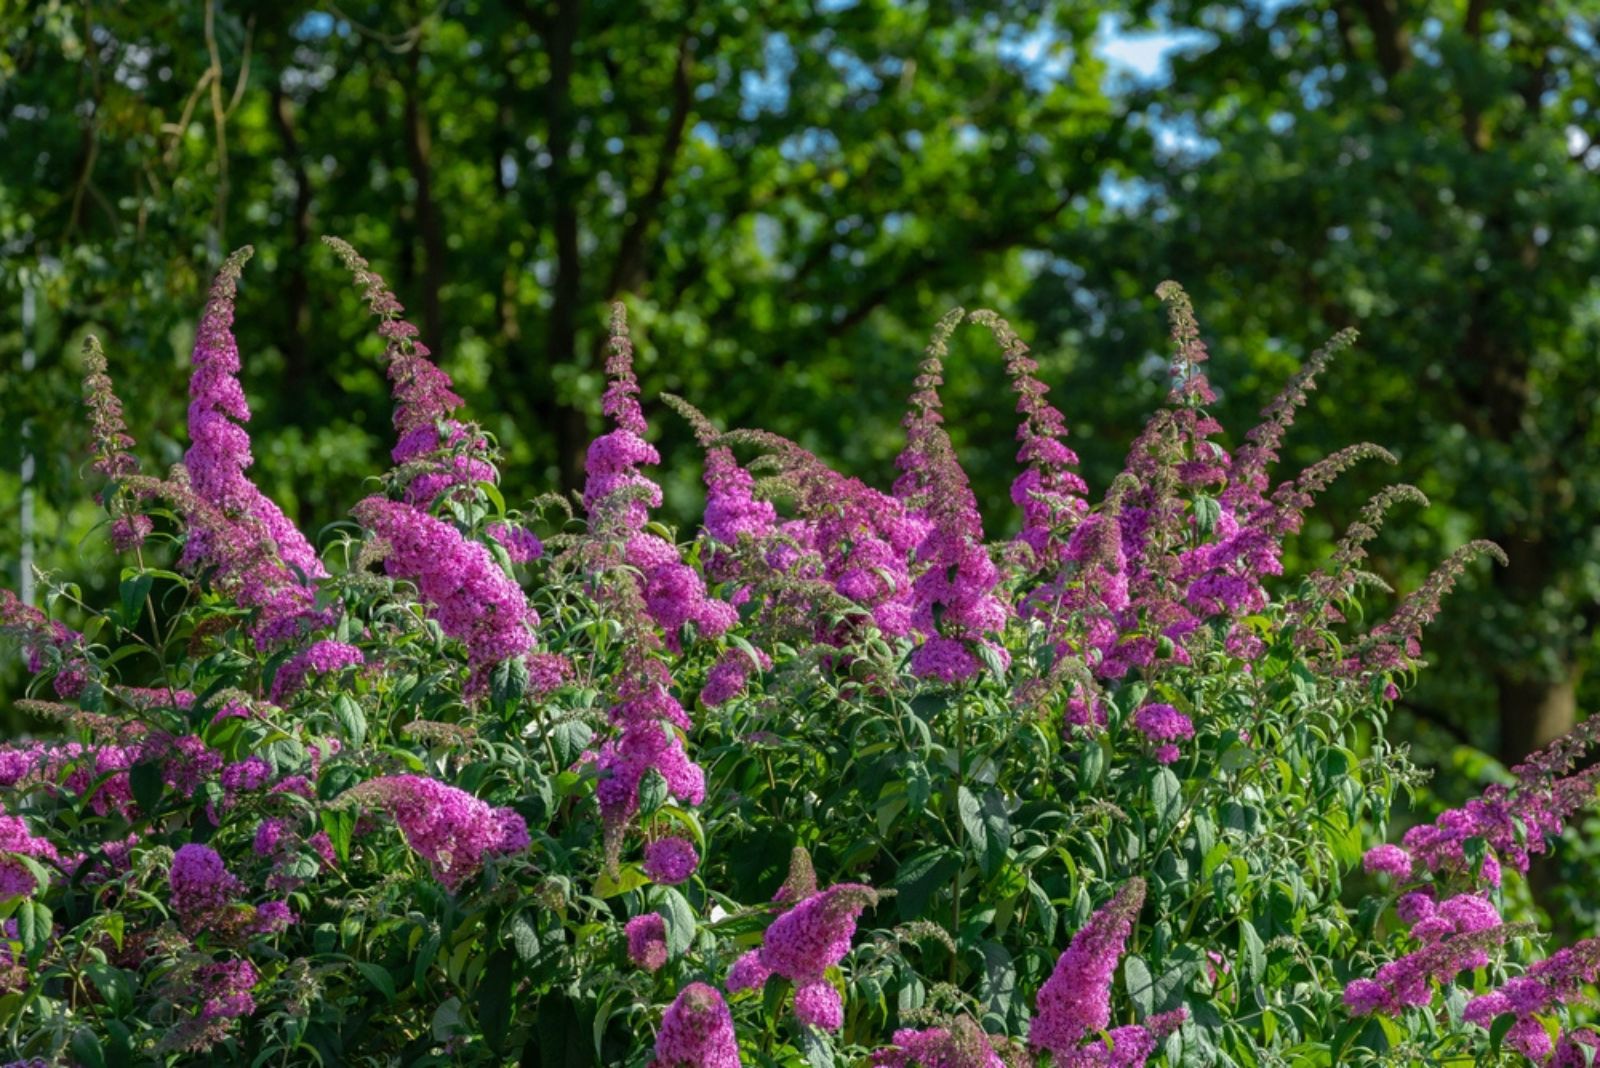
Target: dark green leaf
352,720
494,998
379,977
680,921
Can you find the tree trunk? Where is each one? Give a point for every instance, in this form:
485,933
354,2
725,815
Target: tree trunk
1534,712
419,153
561,339
296,288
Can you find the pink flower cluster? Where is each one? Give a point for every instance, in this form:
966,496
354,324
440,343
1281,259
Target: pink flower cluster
619,498
321,658
1163,725
730,675
665,593
697,1032
1454,935
812,936
1388,860
1074,1005
424,397
199,881
647,941
963,1045
521,544
218,455
1562,978
15,879
732,509
1049,491
954,605
650,719
111,442
472,599
224,989
1514,823
46,644
670,860
1075,1002
449,828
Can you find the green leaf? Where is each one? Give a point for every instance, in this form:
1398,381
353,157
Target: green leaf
680,921
33,927
508,682
627,878
1166,794
570,737
1253,952
999,983
919,786
652,791
116,986
773,994
425,957
562,1034
494,998
379,977
491,491
524,938
1498,1030
1207,510
340,825
87,1050
133,591
446,1020
1091,765
920,877
1043,910
817,1045
987,825
352,721
1141,986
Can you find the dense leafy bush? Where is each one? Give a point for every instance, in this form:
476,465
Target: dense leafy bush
836,782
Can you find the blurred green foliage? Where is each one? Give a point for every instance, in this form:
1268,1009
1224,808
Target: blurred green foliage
788,194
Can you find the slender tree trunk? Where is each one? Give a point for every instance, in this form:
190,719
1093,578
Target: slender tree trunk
569,426
1535,712
296,288
419,151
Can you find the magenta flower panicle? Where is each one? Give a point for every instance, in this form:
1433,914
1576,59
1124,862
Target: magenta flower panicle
670,860
954,605
697,1032
813,935
963,1044
443,451
1049,491
112,445
1075,1002
200,882
647,941
449,828
473,600
219,450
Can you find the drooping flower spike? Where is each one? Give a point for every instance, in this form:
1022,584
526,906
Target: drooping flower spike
112,445
1074,1005
219,450
434,449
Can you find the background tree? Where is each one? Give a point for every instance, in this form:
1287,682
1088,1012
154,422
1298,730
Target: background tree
1426,171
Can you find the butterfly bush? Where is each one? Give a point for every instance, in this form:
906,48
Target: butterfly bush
848,773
